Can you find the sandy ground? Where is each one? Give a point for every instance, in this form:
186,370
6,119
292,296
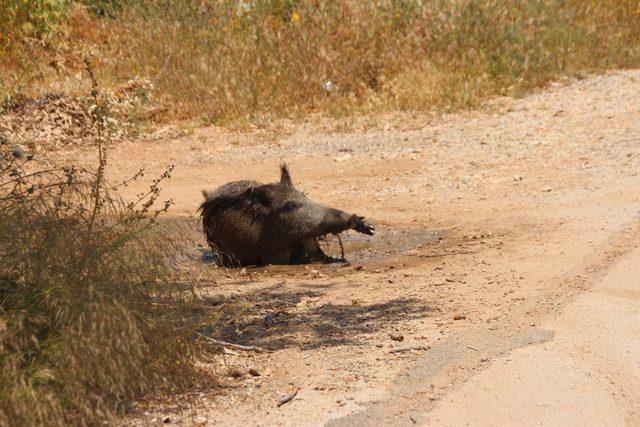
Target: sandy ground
506,260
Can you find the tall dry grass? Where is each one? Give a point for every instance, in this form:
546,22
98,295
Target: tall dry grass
90,318
230,60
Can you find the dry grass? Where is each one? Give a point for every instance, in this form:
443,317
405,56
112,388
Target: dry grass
90,318
231,61
56,120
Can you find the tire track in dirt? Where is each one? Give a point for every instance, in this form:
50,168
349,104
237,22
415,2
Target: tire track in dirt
448,366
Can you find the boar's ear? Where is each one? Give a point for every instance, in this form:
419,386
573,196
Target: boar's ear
285,177
261,195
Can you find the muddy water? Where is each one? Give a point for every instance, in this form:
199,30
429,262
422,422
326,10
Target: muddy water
361,249
185,233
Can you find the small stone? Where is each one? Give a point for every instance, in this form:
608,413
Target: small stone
459,317
343,158
201,420
316,274
235,373
546,189
18,152
396,337
166,420
328,86
253,372
207,256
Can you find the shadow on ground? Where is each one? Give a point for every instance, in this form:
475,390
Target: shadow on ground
275,319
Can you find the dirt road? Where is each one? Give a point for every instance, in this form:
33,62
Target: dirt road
506,260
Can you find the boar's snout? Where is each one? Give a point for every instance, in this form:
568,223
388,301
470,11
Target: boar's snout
364,227
336,221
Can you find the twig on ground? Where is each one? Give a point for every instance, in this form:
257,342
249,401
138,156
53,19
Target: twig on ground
404,349
229,352
288,398
231,345
473,348
282,301
448,253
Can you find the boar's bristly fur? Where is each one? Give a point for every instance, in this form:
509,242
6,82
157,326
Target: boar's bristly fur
249,223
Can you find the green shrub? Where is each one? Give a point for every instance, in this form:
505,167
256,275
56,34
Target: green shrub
39,18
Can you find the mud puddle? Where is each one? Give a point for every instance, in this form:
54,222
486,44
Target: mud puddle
185,233
359,249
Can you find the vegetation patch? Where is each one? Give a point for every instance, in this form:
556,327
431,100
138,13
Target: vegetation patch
229,62
56,120
90,316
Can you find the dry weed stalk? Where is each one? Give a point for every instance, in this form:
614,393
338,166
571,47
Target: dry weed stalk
90,317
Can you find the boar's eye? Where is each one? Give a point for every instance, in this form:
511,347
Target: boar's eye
289,206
